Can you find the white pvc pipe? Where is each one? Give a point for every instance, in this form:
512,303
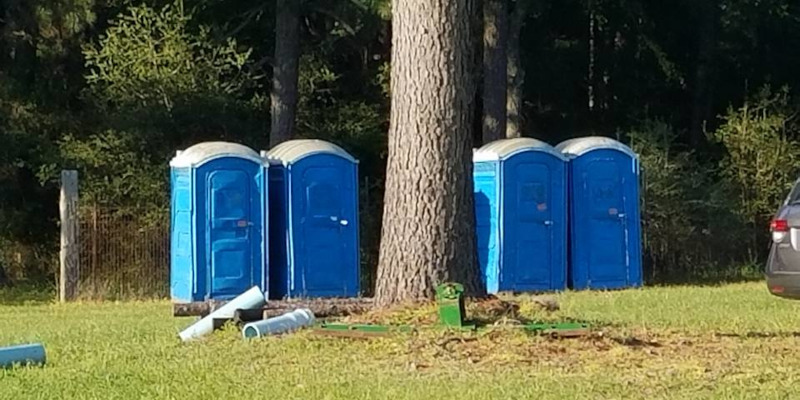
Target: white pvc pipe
281,324
253,298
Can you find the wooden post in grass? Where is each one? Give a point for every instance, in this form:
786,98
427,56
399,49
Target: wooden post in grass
69,256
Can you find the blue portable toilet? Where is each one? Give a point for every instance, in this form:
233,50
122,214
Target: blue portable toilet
219,216
521,215
605,228
313,198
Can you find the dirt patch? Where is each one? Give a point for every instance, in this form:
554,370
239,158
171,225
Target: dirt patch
636,353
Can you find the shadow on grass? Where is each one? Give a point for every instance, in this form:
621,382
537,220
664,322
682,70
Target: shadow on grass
24,293
710,279
759,335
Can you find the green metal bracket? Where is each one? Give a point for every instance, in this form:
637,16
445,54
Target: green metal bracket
450,300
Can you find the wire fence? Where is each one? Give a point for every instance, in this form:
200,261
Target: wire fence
124,253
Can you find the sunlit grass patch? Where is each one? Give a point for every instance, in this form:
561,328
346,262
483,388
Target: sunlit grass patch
733,341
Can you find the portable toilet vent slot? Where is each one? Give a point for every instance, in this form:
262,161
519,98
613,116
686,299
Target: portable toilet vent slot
218,212
605,227
521,215
313,237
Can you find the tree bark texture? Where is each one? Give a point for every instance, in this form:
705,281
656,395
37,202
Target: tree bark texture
495,74
516,74
283,99
428,233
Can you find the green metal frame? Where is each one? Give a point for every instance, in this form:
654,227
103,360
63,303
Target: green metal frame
452,315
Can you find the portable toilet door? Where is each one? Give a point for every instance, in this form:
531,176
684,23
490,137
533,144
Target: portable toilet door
219,248
521,215
314,220
605,235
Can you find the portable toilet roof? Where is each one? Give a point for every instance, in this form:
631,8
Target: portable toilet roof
292,151
506,148
202,153
580,146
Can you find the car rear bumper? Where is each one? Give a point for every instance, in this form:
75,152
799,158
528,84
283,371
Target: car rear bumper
784,284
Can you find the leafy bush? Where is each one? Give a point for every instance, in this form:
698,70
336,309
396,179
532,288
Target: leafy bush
667,226
761,158
706,220
157,83
116,169
29,211
150,57
690,225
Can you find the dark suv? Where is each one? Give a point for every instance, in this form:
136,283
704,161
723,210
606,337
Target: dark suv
783,265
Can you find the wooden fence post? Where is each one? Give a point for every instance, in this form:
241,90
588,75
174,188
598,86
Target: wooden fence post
70,247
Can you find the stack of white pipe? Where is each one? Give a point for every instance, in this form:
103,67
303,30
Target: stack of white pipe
253,298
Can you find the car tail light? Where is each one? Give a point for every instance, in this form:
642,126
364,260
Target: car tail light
779,225
776,289
779,228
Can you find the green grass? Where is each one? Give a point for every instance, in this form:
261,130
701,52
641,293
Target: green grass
734,341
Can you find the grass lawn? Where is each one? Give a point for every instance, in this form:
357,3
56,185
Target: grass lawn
733,341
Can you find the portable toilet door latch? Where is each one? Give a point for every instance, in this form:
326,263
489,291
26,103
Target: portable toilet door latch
342,222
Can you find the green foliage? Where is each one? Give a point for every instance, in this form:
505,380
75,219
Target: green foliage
61,24
691,229
132,182
670,181
114,87
382,8
148,57
703,221
761,154
28,213
157,83
322,113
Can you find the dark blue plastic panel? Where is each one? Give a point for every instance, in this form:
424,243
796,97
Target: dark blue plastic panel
231,214
521,222
605,237
535,223
279,242
315,214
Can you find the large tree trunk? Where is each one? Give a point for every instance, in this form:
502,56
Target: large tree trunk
428,222
283,98
495,75
516,74
701,96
